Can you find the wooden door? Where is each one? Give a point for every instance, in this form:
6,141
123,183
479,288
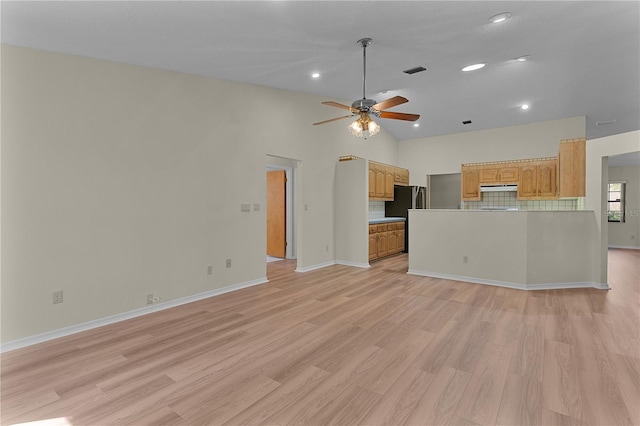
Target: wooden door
276,213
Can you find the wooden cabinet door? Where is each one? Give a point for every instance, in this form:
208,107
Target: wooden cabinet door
488,174
470,184
547,183
400,242
373,246
509,174
380,180
401,176
571,168
528,183
388,183
382,245
372,180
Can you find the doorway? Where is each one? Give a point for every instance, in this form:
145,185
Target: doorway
276,214
281,223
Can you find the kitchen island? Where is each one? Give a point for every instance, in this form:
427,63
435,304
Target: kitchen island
518,249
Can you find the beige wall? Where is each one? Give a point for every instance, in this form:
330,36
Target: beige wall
519,249
352,213
119,181
627,233
445,154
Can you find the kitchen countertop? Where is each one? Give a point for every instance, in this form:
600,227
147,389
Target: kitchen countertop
386,220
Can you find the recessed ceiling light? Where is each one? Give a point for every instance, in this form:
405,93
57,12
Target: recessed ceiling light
522,58
501,17
315,75
416,124
473,67
524,106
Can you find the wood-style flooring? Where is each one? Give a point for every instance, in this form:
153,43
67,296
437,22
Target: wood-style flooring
349,346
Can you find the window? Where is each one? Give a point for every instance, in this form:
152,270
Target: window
615,202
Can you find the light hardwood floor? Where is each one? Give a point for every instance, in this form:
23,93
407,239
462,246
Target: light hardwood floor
349,346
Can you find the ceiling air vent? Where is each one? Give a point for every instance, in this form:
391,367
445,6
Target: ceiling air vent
414,70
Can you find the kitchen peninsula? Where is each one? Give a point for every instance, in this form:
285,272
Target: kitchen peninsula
526,250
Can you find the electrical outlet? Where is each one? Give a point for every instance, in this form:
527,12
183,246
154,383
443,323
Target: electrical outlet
465,259
209,269
256,207
633,236
150,299
245,208
326,248
57,297
228,263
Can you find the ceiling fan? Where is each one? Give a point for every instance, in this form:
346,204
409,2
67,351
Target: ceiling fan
364,108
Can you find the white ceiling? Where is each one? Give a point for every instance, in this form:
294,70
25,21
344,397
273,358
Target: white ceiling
584,56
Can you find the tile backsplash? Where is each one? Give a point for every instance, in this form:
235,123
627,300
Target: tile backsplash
376,209
509,201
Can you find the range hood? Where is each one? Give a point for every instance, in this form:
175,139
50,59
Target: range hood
498,188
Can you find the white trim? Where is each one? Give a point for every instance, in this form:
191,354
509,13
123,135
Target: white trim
625,247
355,264
517,286
77,328
317,266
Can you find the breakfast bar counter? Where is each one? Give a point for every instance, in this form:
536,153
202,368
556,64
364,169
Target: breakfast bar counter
518,249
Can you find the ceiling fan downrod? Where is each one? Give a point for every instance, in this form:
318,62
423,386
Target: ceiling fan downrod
364,104
364,42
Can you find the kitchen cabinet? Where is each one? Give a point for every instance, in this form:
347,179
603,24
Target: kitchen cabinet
470,183
373,242
400,233
572,167
383,247
538,180
498,174
383,177
388,182
386,239
372,180
401,176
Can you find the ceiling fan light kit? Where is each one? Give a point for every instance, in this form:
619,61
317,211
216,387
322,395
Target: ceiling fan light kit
364,126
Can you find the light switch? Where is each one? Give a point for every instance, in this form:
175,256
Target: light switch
256,207
245,208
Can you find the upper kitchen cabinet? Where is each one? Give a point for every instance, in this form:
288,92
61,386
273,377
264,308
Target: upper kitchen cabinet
401,176
470,183
572,167
383,177
538,180
499,174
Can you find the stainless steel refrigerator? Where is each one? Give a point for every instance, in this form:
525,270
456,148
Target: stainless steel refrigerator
405,198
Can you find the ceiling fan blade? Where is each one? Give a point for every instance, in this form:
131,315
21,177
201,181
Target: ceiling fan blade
399,116
333,119
337,105
389,103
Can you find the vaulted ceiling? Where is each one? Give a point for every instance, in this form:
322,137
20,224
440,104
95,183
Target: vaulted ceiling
583,58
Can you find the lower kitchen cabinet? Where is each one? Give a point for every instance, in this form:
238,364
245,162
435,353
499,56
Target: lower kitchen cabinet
386,239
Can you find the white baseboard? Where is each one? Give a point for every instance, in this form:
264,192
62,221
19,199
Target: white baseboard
517,286
314,267
77,328
356,264
625,247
